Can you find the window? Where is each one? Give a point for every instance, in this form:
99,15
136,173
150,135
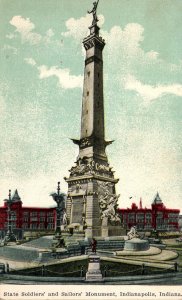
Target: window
13,216
42,213
140,216
159,214
140,226
50,226
25,225
33,226
33,214
41,226
131,217
50,214
50,219
88,73
173,215
159,221
87,93
25,213
148,221
148,226
42,219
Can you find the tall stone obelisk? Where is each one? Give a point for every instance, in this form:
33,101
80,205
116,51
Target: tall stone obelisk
92,200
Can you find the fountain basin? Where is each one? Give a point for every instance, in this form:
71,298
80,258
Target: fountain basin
136,244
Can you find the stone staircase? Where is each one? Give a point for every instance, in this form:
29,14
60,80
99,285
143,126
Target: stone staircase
43,242
31,251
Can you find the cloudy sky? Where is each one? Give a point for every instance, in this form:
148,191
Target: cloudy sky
41,77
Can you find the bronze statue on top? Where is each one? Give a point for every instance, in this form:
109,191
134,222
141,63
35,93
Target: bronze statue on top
94,12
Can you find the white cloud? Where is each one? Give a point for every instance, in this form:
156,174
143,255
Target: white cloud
22,25
25,28
150,92
66,80
124,48
130,36
30,61
123,44
77,28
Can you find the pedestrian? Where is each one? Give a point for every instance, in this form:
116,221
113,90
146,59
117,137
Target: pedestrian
94,245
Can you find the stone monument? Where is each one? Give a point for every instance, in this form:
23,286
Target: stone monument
94,272
92,199
134,242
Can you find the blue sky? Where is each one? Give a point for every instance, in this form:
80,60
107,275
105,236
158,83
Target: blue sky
41,77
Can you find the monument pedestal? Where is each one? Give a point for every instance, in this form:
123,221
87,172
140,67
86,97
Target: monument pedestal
111,230
94,272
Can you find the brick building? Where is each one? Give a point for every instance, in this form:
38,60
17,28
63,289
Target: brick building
158,217
24,218
40,219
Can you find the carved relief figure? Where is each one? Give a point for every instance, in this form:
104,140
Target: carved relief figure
64,218
108,202
86,166
79,169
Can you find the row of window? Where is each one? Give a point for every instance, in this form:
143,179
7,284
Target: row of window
33,226
38,226
29,214
33,219
173,215
159,226
148,215
36,214
41,219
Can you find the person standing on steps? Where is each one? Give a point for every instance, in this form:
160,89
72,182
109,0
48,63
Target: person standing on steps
93,245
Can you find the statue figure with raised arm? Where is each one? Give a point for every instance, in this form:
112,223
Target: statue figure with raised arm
133,233
94,12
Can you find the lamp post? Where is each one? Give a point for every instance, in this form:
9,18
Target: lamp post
9,237
59,198
155,229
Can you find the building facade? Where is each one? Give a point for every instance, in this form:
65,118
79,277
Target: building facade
158,217
24,218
